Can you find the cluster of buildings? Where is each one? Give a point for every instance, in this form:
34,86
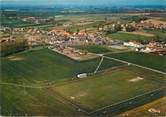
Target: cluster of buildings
64,38
151,24
38,20
151,47
79,38
129,27
70,51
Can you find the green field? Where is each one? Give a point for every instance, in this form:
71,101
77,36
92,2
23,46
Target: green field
12,22
149,60
93,48
46,65
109,87
17,101
160,34
129,37
43,67
40,68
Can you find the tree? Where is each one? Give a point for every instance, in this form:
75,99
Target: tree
118,27
78,30
130,28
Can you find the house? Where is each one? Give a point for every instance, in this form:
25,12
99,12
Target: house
60,32
82,33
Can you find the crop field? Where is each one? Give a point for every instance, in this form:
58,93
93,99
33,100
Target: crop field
129,37
98,91
149,60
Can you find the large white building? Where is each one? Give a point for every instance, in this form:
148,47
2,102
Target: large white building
133,44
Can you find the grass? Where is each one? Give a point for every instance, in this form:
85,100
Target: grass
13,22
108,88
15,101
129,37
161,34
38,68
159,104
149,60
44,64
93,48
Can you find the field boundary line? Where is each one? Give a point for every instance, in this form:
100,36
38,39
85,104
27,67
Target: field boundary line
154,70
70,102
126,100
118,52
24,86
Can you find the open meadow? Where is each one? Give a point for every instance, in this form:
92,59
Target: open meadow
129,37
93,48
44,65
148,60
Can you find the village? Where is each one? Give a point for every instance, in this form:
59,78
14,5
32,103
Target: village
84,60
62,40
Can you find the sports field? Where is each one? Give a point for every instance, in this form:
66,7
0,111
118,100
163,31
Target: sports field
149,60
110,87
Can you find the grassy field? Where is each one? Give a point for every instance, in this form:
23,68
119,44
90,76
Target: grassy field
99,90
129,37
17,101
40,68
149,60
93,48
159,105
160,34
46,65
12,22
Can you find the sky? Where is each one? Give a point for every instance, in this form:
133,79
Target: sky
84,2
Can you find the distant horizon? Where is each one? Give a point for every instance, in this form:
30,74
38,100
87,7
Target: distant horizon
83,3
